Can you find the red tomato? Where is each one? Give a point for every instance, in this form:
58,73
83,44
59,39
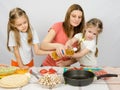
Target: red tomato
100,72
43,71
81,68
52,71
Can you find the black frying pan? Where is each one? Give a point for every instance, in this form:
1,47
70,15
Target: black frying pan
82,77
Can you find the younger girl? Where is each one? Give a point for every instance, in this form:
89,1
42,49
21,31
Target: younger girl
88,43
21,38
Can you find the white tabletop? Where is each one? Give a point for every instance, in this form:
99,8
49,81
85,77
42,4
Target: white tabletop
96,85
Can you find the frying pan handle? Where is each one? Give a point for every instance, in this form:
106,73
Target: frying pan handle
107,75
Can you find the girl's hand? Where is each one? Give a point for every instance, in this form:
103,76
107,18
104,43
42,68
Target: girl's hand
68,45
24,67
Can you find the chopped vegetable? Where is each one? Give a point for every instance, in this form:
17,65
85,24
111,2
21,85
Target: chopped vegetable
7,70
43,71
52,71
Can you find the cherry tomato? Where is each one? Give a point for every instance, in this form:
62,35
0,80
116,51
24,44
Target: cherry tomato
52,71
81,68
100,72
43,71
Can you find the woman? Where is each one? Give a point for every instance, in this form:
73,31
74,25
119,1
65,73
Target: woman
60,33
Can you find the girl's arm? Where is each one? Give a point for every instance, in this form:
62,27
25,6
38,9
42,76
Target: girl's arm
70,42
81,53
18,58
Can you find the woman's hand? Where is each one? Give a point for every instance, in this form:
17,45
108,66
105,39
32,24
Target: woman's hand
54,56
60,50
61,63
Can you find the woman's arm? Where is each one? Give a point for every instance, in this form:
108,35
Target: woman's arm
48,45
38,51
66,63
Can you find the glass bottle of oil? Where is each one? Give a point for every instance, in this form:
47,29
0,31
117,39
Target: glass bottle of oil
68,52
55,56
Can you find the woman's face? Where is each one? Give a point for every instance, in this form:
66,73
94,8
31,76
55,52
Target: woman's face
75,17
91,33
21,24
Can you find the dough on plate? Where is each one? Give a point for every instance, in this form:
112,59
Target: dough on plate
15,80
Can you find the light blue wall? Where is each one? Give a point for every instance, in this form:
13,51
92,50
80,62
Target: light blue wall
44,13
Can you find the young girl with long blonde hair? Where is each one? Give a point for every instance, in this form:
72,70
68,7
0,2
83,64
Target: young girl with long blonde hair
21,38
88,40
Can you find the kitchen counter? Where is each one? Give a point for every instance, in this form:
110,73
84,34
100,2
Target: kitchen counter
112,83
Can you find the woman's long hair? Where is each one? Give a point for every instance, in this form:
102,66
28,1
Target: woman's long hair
66,23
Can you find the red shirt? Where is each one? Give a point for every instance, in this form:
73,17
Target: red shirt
60,37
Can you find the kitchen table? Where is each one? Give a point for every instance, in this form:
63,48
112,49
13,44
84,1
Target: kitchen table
112,83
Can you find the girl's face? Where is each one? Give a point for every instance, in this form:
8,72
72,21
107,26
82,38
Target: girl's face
91,33
75,17
21,24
